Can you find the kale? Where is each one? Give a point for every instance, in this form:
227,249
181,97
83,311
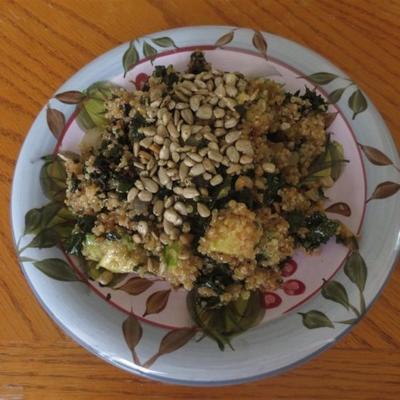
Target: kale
169,78
74,183
241,110
198,63
274,183
296,221
318,103
216,276
112,236
276,137
319,228
126,108
159,71
73,245
134,124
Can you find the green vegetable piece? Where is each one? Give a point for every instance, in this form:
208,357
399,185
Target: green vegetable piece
119,256
171,253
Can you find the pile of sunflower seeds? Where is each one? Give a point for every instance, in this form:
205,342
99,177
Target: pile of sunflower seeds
194,136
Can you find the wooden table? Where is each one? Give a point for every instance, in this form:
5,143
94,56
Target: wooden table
43,42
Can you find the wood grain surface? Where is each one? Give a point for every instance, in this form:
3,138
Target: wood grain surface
43,42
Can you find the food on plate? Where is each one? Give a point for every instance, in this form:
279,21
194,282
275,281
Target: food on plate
207,179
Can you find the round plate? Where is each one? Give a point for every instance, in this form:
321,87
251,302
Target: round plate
148,330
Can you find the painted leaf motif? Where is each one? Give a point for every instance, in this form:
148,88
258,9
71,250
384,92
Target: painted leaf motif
339,208
335,291
260,43
329,118
56,268
350,321
157,302
322,78
384,190
70,97
164,41
136,285
225,39
149,50
357,103
356,270
336,95
133,332
32,221
48,213
44,239
130,58
171,342
55,121
316,319
375,156
52,179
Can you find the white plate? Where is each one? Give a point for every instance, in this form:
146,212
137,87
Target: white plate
298,327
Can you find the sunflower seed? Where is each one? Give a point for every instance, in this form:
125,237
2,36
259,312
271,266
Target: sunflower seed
216,180
139,185
175,157
213,146
158,207
244,146
233,169
183,171
166,117
230,78
146,142
163,177
132,194
246,159
186,132
189,85
173,217
195,102
195,157
150,185
204,112
230,123
215,156
219,112
269,167
164,152
190,193
158,139
180,207
207,176
220,91
142,228
148,131
232,154
181,106
200,84
209,166
231,91
187,116
197,170
232,136
203,210
189,162
145,196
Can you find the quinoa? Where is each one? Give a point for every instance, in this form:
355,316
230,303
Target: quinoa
202,172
